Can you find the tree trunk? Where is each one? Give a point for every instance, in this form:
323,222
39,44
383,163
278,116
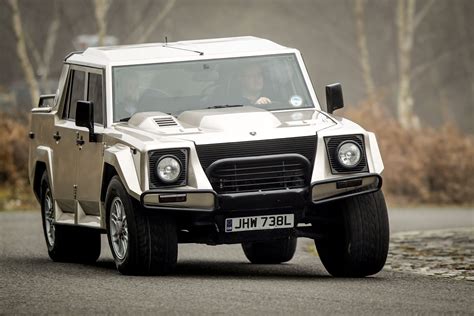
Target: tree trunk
364,51
49,45
143,37
406,33
22,53
100,9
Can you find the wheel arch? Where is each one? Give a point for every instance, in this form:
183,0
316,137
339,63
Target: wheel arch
108,173
42,164
118,160
40,168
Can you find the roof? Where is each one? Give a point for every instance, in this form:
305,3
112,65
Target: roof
184,49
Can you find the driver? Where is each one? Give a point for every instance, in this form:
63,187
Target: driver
252,83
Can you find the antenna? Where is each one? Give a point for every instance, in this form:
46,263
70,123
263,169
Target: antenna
166,40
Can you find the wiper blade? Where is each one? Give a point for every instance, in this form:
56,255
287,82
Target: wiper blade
125,119
221,106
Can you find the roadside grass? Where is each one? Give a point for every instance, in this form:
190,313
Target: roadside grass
424,166
21,200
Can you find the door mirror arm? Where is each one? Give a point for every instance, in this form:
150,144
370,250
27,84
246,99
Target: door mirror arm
85,118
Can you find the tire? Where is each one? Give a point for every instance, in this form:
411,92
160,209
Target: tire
66,243
270,252
140,244
357,243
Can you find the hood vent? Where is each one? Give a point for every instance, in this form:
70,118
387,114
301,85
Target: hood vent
167,121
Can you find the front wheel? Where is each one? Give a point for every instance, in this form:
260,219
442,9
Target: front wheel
356,245
270,252
140,244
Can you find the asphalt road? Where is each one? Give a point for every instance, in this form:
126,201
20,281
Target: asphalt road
217,280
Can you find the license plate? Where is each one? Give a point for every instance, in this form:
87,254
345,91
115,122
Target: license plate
263,222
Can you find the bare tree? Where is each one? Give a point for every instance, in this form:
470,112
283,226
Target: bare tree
467,58
407,22
364,60
143,30
141,34
100,9
22,53
43,60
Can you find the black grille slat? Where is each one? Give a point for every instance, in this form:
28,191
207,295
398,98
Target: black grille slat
272,170
305,146
333,142
301,174
260,167
295,182
252,174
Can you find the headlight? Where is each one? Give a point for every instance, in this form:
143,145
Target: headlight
349,154
168,169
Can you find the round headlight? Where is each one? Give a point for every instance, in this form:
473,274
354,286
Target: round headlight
349,154
168,169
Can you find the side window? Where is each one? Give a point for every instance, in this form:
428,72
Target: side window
95,96
77,92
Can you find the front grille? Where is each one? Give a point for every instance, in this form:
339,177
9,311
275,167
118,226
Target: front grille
304,146
333,142
264,173
154,157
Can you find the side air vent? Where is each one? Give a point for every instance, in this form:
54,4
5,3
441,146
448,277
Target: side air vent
166,121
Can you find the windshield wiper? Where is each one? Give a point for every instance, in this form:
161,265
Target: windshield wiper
125,119
221,106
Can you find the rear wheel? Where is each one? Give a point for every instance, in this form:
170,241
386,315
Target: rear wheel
140,244
66,243
270,252
357,242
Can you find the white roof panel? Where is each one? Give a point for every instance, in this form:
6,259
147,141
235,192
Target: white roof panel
153,51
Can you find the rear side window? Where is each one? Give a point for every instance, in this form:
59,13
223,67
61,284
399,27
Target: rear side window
76,92
95,96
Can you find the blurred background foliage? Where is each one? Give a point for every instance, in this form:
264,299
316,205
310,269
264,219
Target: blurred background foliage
407,68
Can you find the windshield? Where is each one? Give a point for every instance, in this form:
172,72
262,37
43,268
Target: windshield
271,82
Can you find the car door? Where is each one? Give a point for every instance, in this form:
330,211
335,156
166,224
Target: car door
90,153
64,143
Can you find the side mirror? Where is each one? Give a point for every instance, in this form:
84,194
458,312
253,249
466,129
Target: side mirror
334,98
85,117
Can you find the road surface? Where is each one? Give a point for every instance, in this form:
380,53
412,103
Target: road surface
214,280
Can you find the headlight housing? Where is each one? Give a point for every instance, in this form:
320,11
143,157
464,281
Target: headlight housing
349,154
168,169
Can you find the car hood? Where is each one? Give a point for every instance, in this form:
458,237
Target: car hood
228,124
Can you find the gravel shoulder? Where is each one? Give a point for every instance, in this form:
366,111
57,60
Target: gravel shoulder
446,253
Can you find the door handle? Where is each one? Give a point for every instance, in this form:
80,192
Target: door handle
80,141
57,137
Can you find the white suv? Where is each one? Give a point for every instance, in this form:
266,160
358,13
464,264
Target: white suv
212,141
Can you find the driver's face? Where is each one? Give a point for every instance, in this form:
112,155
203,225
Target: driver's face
252,78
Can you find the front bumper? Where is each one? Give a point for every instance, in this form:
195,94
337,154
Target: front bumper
186,200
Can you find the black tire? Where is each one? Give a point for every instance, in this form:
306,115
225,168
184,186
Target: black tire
67,243
270,252
357,243
152,243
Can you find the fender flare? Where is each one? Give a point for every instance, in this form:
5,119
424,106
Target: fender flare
120,157
43,154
